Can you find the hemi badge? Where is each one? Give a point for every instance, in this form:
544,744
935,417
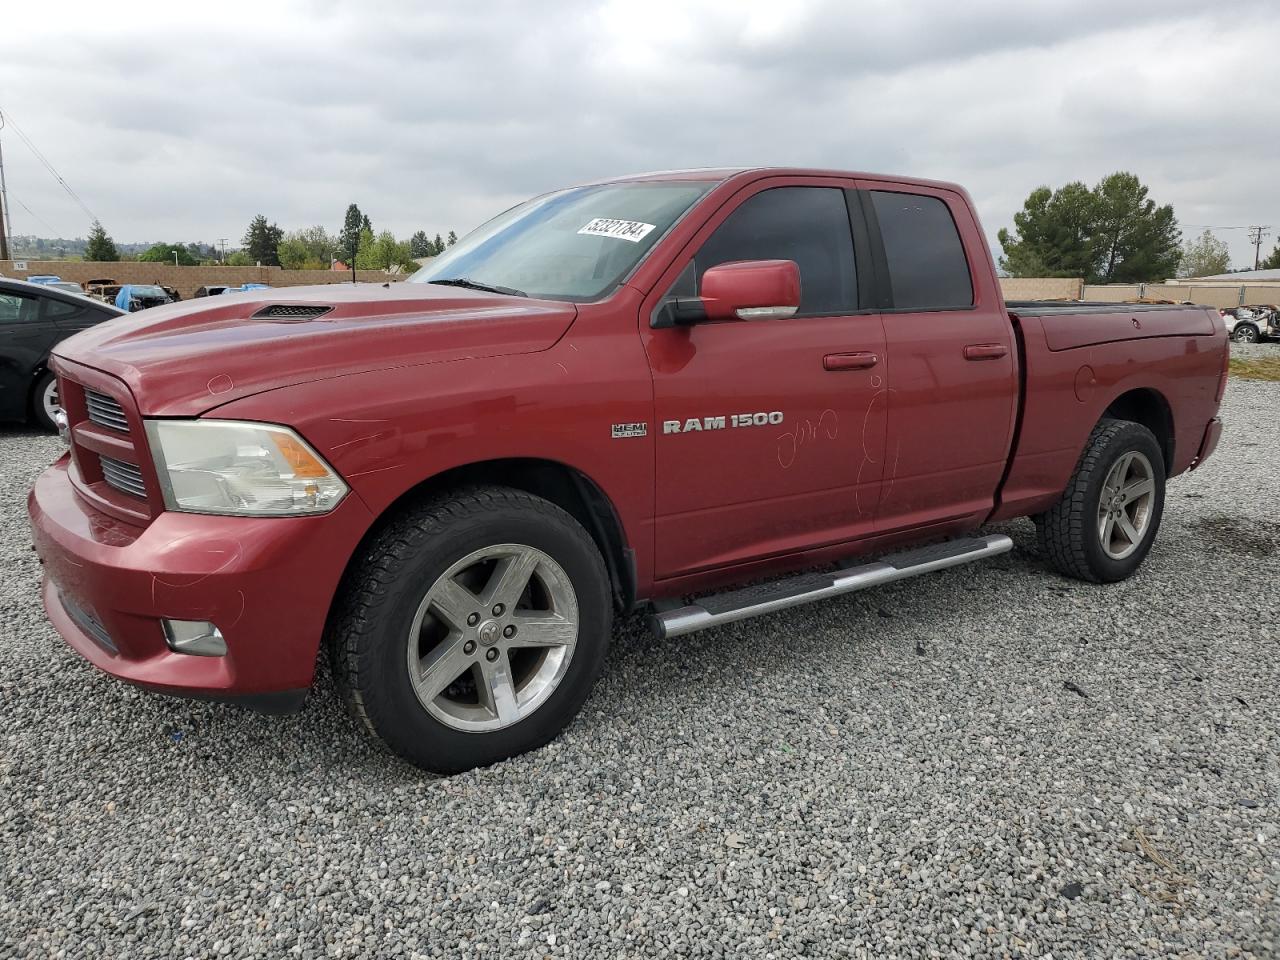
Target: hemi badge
621,430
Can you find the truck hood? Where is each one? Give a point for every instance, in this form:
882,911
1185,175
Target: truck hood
187,358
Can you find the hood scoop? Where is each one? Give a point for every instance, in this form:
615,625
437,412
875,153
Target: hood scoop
292,311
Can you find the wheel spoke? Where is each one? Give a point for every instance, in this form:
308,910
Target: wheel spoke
510,578
1138,489
544,631
454,602
1127,528
496,690
443,665
1106,530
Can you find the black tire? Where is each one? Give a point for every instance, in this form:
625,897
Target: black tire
1069,533
39,416
1245,333
370,624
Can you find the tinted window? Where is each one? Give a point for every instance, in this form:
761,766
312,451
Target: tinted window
16,307
927,265
809,225
58,309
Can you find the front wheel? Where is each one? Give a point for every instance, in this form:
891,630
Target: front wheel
473,628
44,401
1245,333
1103,527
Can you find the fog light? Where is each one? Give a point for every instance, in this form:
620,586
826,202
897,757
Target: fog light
200,638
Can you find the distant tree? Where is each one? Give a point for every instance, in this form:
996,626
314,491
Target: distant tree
1204,256
439,245
1113,233
419,245
1273,260
453,238
349,235
238,258
166,253
309,249
261,240
366,254
100,246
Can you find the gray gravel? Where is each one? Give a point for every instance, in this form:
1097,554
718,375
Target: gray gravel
1268,348
994,761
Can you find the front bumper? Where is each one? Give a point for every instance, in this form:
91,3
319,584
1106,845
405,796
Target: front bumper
266,583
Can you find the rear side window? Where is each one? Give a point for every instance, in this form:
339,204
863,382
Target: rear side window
927,266
18,308
60,309
809,225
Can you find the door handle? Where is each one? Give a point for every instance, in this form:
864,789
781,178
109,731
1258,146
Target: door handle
985,351
849,361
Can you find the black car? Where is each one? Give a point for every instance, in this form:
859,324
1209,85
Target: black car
33,318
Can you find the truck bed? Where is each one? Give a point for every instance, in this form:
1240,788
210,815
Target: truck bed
1068,325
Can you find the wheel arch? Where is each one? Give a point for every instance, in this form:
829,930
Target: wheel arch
568,488
1150,408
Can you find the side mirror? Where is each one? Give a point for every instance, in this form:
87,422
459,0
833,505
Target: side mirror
751,290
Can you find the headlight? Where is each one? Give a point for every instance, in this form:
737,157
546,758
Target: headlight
236,467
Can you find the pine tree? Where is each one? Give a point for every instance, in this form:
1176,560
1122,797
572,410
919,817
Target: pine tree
349,235
100,247
261,241
453,238
419,245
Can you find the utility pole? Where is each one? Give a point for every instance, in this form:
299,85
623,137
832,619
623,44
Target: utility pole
1256,235
6,222
222,243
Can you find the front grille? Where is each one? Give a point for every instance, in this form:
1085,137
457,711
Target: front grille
125,477
105,411
290,311
87,622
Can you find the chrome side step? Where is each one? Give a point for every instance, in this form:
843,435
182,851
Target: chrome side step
715,609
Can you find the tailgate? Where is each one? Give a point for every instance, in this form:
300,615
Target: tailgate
1083,325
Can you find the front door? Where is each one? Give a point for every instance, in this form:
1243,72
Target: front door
770,434
25,338
954,396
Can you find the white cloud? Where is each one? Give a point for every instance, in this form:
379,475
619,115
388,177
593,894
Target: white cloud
181,123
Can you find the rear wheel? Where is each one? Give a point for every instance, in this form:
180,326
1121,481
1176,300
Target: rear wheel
473,628
1245,333
1103,527
44,401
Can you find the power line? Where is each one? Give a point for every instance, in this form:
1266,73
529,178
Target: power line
9,121
53,231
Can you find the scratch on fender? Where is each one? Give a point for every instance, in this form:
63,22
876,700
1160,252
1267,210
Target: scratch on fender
347,443
355,420
365,473
806,431
563,368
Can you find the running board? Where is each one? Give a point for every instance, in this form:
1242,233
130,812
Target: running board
716,609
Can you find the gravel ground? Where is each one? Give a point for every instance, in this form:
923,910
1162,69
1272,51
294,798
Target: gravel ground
993,761
1270,348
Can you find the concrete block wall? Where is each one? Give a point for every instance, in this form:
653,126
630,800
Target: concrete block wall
186,280
1041,288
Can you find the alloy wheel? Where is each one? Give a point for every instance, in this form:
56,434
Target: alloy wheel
1125,506
493,638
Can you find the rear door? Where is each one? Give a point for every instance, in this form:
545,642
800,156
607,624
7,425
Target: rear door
71,317
770,434
953,364
25,338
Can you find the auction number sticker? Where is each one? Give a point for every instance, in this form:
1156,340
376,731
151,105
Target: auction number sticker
632,230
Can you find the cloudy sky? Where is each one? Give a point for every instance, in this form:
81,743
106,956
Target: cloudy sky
177,122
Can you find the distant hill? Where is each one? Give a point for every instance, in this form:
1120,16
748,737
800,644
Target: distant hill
25,247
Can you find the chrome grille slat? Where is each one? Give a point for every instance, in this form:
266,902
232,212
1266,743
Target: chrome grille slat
125,477
106,411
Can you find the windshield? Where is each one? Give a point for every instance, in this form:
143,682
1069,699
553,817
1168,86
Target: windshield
575,244
146,291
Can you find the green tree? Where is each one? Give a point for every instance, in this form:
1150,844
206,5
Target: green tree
261,241
309,249
419,245
1204,256
238,258
349,235
453,238
1271,263
166,252
100,245
439,245
1113,233
366,253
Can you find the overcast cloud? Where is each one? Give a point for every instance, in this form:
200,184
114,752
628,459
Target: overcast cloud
176,122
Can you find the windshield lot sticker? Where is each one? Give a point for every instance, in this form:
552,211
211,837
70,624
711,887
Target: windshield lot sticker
632,230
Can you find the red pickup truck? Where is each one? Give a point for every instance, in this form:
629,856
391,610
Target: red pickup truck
645,391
